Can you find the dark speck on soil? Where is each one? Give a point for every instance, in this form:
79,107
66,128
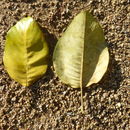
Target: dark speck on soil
49,104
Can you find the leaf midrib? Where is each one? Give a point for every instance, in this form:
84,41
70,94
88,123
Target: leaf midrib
82,57
26,57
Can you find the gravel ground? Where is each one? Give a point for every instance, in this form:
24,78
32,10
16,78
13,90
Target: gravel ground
51,105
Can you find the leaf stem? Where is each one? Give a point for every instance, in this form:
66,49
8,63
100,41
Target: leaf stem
82,105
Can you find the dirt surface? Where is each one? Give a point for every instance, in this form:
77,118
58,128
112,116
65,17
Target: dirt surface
51,105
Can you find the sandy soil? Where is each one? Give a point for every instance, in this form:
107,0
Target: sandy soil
51,105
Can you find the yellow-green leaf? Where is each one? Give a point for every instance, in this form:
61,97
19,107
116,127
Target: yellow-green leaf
81,56
26,51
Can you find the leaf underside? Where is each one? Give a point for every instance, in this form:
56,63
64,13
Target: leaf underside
81,56
26,51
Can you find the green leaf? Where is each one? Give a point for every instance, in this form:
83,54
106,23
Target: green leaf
26,51
81,56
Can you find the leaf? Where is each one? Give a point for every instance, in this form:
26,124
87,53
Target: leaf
26,51
81,56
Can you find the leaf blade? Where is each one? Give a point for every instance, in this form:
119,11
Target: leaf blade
26,51
81,40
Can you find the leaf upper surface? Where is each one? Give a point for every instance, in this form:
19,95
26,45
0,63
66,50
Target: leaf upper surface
81,56
26,51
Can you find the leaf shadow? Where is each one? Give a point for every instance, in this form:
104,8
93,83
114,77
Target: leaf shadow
51,40
37,87
30,1
98,93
